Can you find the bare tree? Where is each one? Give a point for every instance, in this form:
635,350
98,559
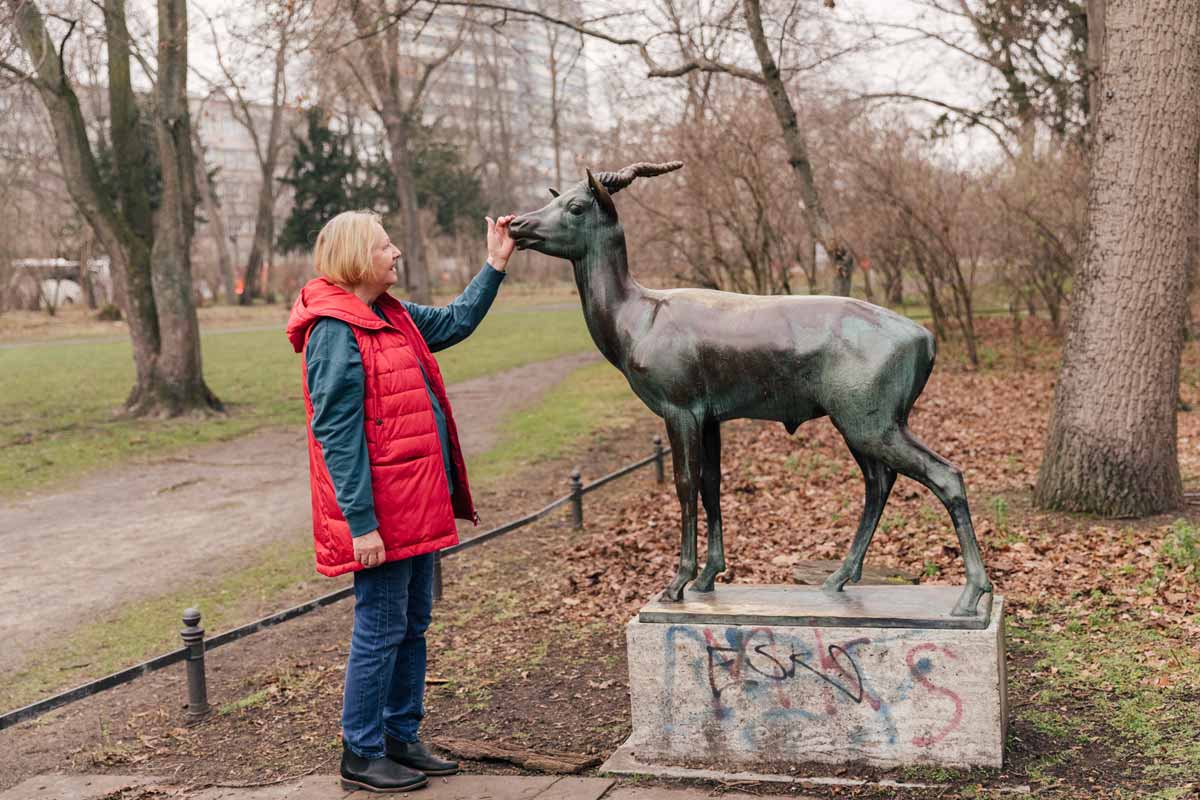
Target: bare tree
1040,225
391,41
563,51
928,213
213,214
149,246
1032,54
272,38
708,38
728,222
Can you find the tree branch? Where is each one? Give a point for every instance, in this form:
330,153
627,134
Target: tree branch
17,71
982,120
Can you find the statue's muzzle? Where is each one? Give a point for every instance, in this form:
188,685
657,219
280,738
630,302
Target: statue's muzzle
523,230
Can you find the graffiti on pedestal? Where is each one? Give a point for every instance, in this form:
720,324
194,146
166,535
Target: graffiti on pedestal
787,677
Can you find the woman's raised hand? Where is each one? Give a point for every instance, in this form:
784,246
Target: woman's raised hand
499,244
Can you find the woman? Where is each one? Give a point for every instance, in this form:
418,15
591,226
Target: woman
387,475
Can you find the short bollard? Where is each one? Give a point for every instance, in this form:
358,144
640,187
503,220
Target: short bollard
577,497
437,576
660,474
193,640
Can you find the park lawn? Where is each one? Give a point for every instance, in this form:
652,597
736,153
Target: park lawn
79,323
593,398
589,400
57,407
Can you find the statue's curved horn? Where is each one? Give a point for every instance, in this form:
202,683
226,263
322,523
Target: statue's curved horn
616,181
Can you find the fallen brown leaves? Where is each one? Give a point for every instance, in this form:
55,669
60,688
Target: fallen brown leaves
786,498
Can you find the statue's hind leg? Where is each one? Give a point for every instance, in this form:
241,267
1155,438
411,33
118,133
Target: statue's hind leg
906,454
879,479
710,493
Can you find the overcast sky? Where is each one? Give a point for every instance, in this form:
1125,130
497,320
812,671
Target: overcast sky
911,66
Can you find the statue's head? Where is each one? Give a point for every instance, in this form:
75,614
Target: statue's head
576,218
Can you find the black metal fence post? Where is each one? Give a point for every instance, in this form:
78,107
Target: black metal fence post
193,640
577,497
437,576
660,474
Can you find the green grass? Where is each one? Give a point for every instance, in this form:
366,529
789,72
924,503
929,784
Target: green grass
586,401
1139,682
57,408
591,398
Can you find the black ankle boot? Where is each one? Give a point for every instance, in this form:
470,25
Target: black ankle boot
378,774
416,755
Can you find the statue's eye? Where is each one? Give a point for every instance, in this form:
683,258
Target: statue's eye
575,209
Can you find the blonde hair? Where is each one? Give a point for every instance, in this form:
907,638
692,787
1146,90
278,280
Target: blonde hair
343,250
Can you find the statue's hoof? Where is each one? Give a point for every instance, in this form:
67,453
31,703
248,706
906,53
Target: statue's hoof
672,595
833,583
968,601
705,580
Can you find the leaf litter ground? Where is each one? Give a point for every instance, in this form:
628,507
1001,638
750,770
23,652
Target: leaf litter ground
527,648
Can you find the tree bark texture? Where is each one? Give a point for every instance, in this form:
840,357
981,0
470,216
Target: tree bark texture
1095,57
1111,447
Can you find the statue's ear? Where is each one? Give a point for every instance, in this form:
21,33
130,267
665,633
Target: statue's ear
602,196
554,193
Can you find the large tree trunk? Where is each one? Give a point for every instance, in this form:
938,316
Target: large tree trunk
1111,447
181,387
131,160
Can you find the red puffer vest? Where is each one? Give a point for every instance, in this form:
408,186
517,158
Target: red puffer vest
408,478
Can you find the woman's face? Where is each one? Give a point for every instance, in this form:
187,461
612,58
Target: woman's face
384,256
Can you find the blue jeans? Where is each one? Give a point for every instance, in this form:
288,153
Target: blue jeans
385,674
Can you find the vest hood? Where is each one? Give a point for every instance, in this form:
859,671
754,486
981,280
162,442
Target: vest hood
322,298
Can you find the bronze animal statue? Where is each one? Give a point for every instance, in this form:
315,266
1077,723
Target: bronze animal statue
698,357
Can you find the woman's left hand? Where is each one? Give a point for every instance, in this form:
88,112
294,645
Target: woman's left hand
499,244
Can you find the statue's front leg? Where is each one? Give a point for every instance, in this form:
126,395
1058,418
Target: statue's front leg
684,433
710,492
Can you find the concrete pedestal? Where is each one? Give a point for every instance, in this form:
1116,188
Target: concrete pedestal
768,675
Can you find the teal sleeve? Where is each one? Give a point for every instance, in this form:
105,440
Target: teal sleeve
442,327
336,385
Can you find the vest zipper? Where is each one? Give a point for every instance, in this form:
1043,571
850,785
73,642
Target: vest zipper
378,400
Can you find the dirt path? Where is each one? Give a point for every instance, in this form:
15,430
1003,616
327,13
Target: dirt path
141,529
